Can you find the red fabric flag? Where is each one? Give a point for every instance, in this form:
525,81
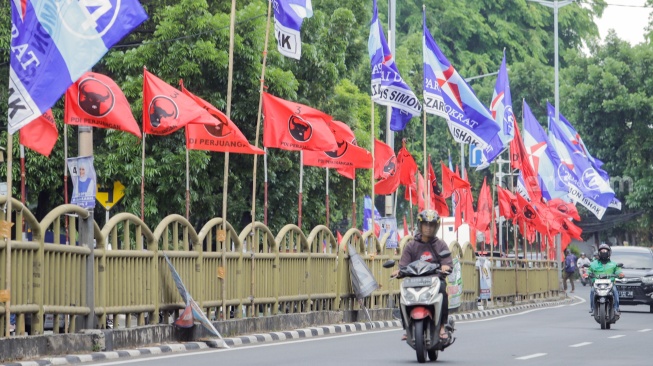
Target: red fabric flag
224,137
408,166
96,100
484,208
505,203
421,192
451,182
293,126
166,109
566,208
405,227
519,160
348,154
41,134
339,236
386,168
347,172
438,203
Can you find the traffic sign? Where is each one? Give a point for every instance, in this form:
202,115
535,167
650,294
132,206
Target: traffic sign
475,156
109,197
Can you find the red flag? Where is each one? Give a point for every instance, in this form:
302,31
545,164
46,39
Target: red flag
451,182
224,137
339,237
421,192
96,100
519,160
41,134
347,172
566,208
386,168
505,201
166,109
408,166
405,227
348,154
438,202
294,126
484,208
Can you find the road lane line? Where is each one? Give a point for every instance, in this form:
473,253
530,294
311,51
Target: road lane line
580,344
644,330
534,355
617,336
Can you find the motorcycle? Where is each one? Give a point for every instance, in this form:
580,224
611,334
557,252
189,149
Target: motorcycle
604,313
421,306
583,276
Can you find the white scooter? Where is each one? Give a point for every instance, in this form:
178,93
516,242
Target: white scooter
604,313
421,306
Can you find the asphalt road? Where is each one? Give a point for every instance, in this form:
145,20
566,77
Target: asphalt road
562,335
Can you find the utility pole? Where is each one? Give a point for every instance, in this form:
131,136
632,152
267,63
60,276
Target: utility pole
85,143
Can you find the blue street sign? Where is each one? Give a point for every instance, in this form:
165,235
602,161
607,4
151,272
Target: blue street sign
475,156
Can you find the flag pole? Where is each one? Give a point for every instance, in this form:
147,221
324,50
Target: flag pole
23,199
7,234
143,179
225,183
301,183
258,127
373,138
426,172
327,197
265,186
187,186
65,175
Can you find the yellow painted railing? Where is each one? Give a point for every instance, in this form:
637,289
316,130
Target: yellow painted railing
262,274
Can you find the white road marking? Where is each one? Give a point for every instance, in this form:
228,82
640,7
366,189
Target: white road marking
644,330
534,355
580,344
617,336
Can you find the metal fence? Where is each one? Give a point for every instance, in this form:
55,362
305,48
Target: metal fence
261,274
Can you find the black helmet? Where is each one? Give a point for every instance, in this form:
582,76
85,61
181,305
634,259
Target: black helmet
428,217
604,252
582,254
596,255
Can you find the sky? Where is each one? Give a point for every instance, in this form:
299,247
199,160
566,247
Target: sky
628,21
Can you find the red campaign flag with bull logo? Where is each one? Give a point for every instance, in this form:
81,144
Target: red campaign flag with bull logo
224,137
166,109
347,157
386,168
438,202
451,181
295,127
408,166
41,134
96,100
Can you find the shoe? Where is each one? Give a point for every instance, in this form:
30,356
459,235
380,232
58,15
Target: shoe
617,312
404,337
591,311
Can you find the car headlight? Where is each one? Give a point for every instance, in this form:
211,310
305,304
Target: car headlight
648,280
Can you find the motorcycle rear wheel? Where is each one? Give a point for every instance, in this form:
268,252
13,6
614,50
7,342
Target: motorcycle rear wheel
420,346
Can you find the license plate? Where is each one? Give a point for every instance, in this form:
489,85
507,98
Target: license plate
625,294
417,282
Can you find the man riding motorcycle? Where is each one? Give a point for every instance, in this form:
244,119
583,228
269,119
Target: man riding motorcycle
582,270
425,246
607,267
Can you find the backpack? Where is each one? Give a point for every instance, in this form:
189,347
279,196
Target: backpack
570,264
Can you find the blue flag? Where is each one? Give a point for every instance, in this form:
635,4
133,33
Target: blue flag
288,18
368,223
54,43
543,157
585,184
388,88
469,120
501,109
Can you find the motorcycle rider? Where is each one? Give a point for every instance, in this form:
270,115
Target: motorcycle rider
579,264
604,266
426,246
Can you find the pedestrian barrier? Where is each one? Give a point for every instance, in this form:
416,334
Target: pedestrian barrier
229,274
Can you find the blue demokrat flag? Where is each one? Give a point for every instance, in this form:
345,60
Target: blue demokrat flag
367,214
469,120
543,157
288,18
572,135
54,43
585,184
388,88
501,109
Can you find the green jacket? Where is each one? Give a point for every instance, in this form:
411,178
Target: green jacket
597,268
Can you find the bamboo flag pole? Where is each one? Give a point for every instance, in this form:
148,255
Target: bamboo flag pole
353,200
65,175
187,186
327,197
373,161
265,187
258,128
301,186
225,184
6,232
426,172
143,179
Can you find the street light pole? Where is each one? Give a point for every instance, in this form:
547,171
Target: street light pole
555,4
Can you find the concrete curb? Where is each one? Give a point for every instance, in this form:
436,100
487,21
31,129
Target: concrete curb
270,337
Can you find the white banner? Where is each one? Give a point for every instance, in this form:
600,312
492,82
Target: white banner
485,277
455,284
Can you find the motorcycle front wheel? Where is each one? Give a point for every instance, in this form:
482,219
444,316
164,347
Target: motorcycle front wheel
420,346
603,317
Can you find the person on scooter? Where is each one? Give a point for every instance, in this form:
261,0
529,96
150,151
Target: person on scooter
604,266
581,270
426,246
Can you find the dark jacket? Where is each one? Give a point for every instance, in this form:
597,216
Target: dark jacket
417,249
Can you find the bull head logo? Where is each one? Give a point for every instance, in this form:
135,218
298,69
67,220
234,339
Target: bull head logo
390,167
341,150
162,107
529,212
95,98
299,128
219,130
513,208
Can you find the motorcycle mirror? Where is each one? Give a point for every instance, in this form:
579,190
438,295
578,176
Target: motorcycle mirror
389,263
620,265
445,254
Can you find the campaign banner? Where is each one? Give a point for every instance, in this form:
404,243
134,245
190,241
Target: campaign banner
485,278
455,284
84,180
288,18
388,224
